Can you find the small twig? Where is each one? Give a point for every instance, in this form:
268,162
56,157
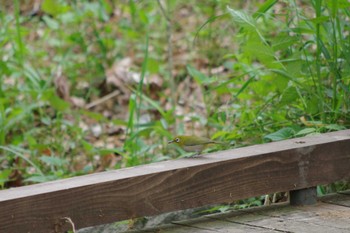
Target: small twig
69,220
163,11
103,99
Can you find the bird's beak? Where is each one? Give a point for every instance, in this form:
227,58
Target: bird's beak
170,141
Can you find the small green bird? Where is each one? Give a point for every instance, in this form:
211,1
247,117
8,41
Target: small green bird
193,143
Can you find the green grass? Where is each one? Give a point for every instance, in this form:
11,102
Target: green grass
242,74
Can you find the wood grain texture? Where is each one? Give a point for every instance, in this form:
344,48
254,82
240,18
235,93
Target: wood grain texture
178,184
277,218
321,217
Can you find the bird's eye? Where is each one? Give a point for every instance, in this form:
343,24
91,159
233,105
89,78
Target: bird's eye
177,140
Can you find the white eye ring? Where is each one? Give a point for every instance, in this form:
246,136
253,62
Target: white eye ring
177,139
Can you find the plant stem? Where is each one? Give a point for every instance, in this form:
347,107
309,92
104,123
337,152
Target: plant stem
170,59
334,66
318,4
20,49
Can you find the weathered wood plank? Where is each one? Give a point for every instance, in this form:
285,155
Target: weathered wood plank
303,221
217,225
339,199
179,184
322,217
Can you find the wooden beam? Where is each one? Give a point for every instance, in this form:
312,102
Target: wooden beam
178,184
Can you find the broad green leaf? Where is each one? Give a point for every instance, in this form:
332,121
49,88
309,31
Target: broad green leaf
55,101
284,74
256,49
4,176
289,96
283,42
305,131
53,7
282,134
58,103
246,21
335,127
242,18
50,7
312,105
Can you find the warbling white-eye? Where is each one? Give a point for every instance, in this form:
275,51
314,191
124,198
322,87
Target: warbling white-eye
193,143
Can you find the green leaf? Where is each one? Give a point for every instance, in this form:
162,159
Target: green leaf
210,20
305,131
290,95
244,86
284,74
340,4
335,127
152,66
264,8
106,151
312,105
4,176
58,103
319,20
98,116
53,161
19,152
219,134
283,42
87,146
39,179
51,23
320,190
4,69
53,7
282,134
132,108
247,22
154,104
55,101
199,76
17,115
243,19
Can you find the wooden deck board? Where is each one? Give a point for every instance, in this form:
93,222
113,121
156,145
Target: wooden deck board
330,214
341,199
180,184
